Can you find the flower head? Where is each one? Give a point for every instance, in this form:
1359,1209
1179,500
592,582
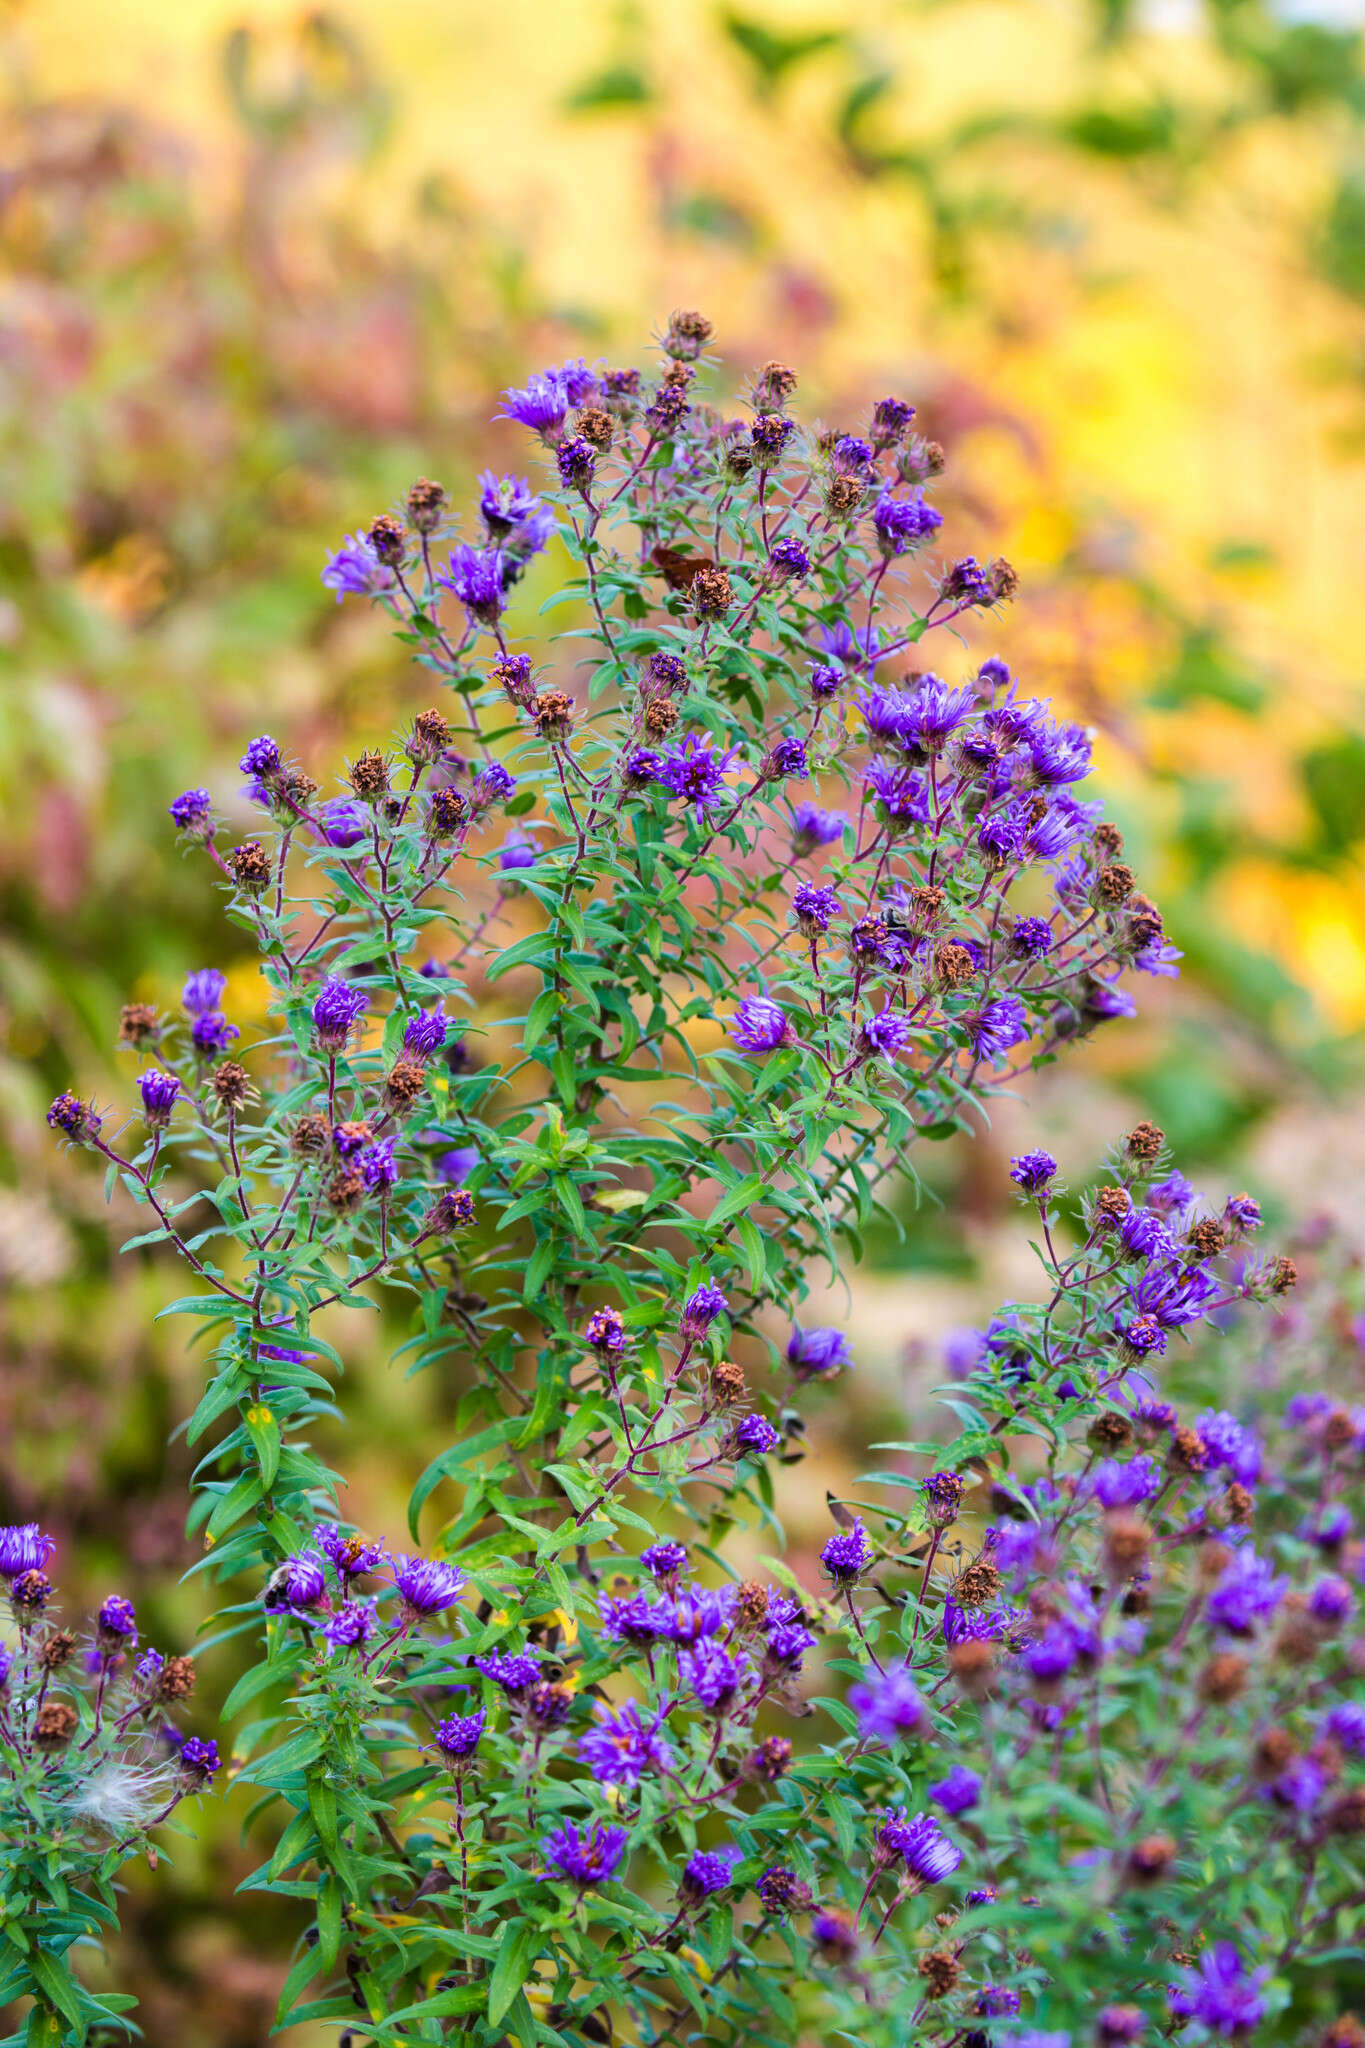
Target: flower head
812,1354
624,1746
23,1548
1032,1171
351,1626
1245,1594
813,828
888,1705
665,1559
426,1585
350,1556
458,1737
190,812
759,1025
426,1033
846,1556
116,1622
694,773
997,1028
295,1586
958,1792
755,1437
512,1671
584,1857
337,1007
884,1034
815,908
919,1843
476,576
1221,1993
701,1308
355,570
903,523
706,1872
199,1759
158,1092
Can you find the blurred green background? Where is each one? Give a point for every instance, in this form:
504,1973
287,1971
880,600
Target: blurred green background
260,268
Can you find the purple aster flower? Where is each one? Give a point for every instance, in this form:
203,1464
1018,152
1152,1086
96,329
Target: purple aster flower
1330,1528
1171,1196
788,759
541,404
23,1548
1247,1593
815,909
975,1624
1143,1234
117,1623
351,1626
199,1759
664,1559
903,795
812,1354
696,1612
351,1556
190,811
158,1092
789,558
885,1035
456,1165
851,454
516,851
1331,1601
337,1007
458,1737
920,1844
758,1025
1104,1000
755,1437
505,502
355,570
476,577
1057,753
890,418
1032,1171
426,1585
813,828
1142,1335
1346,1725
1031,938
963,1351
262,756
712,1675
997,1028
1230,1444
623,1746
958,1792
700,1310
888,1704
788,1644
605,1330
708,1871
296,1585
1051,1657
343,823
985,1895
512,1671
1299,1786
634,1619
1176,1295
835,1934
902,523
1303,1408
212,1034
587,1857
935,712
886,714
203,991
426,1033
997,2002
377,1165
1242,1213
492,785
847,1555
1118,1485
825,680
694,773
641,767
1221,1993
576,461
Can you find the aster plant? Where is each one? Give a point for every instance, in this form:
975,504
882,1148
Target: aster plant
602,1002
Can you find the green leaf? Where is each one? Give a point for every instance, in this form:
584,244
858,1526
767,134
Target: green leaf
511,1969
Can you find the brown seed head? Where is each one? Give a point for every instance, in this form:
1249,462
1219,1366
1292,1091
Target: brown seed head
1284,1274
727,1379
388,539
177,1678
56,1723
57,1649
404,1082
1346,1815
926,905
1239,1504
426,503
844,495
1111,1206
1127,1545
977,1584
687,335
597,427
553,714
249,866
953,964
1189,1452
660,717
940,1970
446,812
311,1136
1338,1430
1344,2032
1145,924
346,1190
1145,1141
231,1084
1110,1432
1274,1750
1108,841
1211,1561
972,1665
773,386
1224,1679
712,596
1114,883
138,1024
1150,1859
430,736
1207,1237
1004,579
751,1604
369,775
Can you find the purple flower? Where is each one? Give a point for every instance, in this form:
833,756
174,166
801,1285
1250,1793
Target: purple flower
885,1035
585,1858
158,1092
664,1559
852,454
605,1330
758,1025
963,1351
696,1612
997,2002
708,1871
516,851
633,1620
1144,1235
262,756
713,1676
296,1585
788,1644
1346,1725
426,1585
997,1028
378,1167
355,570
623,1746
755,1437
985,1896
541,404
1143,1335
1032,1171
1242,1213
458,1738
456,1165
934,713
825,679
475,575
426,1033
190,811
1330,1528
512,1671
212,1034
812,828
789,558
958,1792
788,758
343,823
199,1759
641,767
1117,1485
815,909
1331,1601
847,1555
890,418
337,1007
700,1310
888,1704
1299,1786
902,523
1230,1444
1032,937
351,1625
1221,1993
23,1548
576,461
1246,1593
350,1556
491,785
886,714
1057,753
1176,1295
920,1844
903,795
203,991
813,1353
117,1622
694,773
